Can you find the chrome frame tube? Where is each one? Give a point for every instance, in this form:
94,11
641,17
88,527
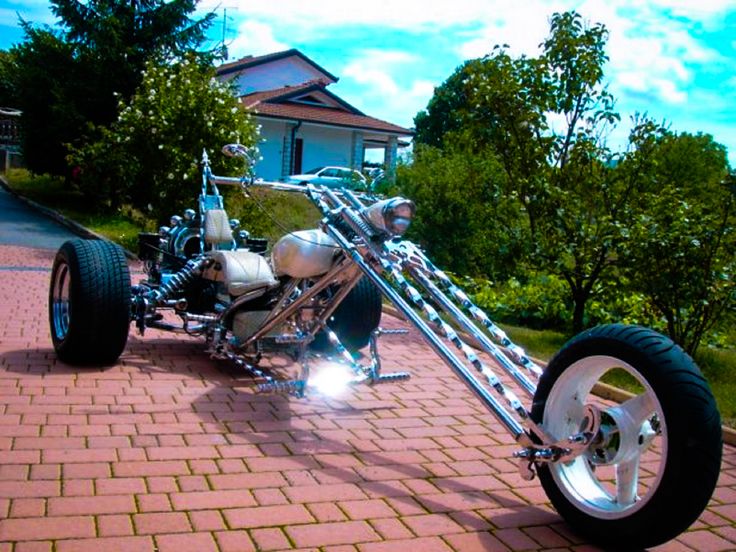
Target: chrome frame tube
321,284
496,408
374,259
448,306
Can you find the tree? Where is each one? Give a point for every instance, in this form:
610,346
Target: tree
464,218
545,119
149,156
68,82
115,39
682,252
444,111
46,82
8,96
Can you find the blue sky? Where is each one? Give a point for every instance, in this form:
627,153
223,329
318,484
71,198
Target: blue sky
673,59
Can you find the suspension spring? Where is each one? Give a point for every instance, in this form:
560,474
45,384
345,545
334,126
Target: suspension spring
355,221
181,279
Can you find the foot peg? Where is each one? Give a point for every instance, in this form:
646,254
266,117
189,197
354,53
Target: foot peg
390,378
374,373
287,387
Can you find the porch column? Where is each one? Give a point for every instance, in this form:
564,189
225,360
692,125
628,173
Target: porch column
391,157
357,152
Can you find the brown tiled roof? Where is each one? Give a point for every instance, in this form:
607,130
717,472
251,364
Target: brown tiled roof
251,61
328,116
286,92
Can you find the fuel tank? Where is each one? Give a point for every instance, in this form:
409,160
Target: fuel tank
304,254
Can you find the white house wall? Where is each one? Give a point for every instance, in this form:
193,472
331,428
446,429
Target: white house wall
322,146
325,146
290,71
271,148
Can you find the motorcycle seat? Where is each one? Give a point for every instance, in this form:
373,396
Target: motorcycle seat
240,271
217,227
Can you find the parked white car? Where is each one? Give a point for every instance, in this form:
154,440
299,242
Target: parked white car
332,177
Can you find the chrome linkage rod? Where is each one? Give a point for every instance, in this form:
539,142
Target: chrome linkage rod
496,407
451,308
368,374
450,333
413,255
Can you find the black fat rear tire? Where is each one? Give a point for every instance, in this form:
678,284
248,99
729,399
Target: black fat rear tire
89,302
355,318
693,436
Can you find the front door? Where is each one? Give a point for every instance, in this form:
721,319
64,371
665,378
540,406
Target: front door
298,151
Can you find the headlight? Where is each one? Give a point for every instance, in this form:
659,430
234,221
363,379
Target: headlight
391,216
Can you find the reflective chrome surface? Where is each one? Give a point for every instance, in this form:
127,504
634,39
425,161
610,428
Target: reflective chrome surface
60,311
614,476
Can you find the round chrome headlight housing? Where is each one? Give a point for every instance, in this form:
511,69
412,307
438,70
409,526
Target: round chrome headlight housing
391,216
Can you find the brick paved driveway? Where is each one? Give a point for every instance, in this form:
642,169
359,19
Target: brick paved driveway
168,450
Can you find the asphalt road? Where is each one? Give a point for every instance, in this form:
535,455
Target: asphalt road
22,226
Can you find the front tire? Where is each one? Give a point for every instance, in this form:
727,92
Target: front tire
355,318
656,465
89,302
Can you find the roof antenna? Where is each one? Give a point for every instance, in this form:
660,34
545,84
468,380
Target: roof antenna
223,48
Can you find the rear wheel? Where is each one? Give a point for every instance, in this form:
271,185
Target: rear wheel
655,463
89,302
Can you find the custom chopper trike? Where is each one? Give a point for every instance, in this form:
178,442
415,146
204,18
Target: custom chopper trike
632,473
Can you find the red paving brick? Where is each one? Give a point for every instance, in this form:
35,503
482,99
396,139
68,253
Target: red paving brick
168,450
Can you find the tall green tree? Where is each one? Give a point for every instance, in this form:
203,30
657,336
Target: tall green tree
47,82
544,119
69,81
445,110
8,96
465,219
682,251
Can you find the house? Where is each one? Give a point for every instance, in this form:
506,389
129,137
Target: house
303,124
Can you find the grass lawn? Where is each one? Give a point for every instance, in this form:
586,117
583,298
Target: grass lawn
288,212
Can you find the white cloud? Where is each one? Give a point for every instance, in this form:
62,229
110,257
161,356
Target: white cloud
707,11
373,69
408,14
375,74
649,49
423,14
254,38
650,52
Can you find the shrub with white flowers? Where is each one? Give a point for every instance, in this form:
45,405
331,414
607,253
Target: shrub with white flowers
149,158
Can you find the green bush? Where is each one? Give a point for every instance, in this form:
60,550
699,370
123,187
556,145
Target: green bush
149,157
543,302
539,302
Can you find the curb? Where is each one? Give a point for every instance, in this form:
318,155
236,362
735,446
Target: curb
603,390
61,219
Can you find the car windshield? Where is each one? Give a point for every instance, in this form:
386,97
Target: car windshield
314,171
